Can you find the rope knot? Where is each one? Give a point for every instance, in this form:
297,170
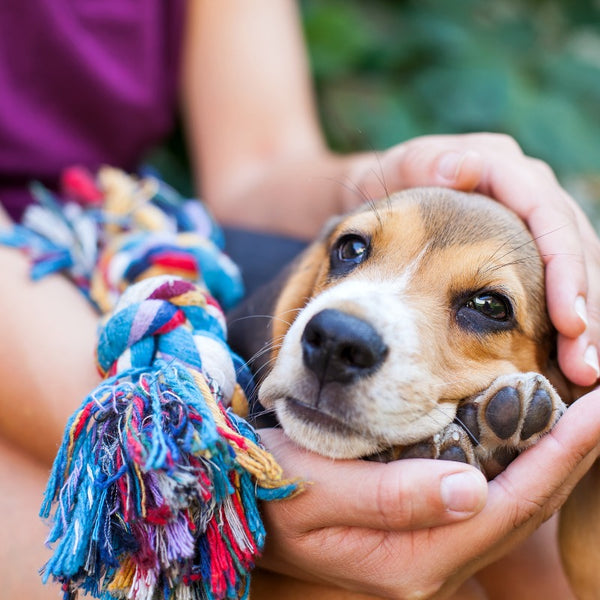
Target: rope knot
167,318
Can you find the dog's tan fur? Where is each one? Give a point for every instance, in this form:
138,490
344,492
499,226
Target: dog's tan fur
430,250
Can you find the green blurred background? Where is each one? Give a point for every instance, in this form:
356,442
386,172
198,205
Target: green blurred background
389,70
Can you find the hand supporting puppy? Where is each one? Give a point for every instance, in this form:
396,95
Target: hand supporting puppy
495,165
377,536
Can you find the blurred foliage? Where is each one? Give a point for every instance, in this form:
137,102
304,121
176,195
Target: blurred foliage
388,70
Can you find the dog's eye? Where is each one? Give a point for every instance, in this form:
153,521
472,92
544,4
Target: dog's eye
352,248
348,251
493,306
485,312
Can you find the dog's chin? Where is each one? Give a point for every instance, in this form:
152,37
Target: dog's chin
322,433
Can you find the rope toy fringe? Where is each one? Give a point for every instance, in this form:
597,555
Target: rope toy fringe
153,493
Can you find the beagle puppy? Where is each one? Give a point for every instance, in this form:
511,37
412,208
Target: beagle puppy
415,326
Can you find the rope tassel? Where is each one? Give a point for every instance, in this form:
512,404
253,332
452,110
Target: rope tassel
153,493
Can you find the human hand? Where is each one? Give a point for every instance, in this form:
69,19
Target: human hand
371,527
495,165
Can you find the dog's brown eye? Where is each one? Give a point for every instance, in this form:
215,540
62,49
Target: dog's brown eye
347,253
352,248
485,312
493,306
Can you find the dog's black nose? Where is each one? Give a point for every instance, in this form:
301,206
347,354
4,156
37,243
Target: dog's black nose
338,347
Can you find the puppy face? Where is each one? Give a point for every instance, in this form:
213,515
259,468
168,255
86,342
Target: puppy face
401,310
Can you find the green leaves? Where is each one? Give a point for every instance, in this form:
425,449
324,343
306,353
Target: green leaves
390,70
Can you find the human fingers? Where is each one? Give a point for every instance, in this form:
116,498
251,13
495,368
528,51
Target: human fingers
570,350
403,495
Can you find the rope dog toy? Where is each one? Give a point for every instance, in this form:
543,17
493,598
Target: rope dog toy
153,493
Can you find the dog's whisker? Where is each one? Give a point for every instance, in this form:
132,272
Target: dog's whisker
550,232
521,260
471,435
264,412
261,316
527,242
266,349
507,241
351,187
292,311
518,261
355,189
548,254
259,373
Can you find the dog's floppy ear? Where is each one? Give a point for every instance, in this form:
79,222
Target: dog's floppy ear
258,324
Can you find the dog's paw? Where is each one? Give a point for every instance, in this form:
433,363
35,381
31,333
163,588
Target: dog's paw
508,417
452,443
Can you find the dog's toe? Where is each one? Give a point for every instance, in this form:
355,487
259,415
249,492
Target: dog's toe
421,450
539,413
503,412
452,443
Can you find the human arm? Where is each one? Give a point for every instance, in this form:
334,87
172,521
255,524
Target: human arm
48,336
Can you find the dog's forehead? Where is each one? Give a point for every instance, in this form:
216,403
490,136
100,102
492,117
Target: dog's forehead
439,217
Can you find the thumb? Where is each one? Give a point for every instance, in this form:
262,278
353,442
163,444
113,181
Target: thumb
403,495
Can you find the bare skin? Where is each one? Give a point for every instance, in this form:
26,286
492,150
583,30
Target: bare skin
256,143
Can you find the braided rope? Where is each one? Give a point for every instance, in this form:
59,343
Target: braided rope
153,493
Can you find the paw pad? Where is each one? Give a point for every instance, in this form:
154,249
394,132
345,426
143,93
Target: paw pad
455,453
421,450
539,413
503,412
508,417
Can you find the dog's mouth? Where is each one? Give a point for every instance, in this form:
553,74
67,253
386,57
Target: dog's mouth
313,415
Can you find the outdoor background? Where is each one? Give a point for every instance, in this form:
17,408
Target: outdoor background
389,70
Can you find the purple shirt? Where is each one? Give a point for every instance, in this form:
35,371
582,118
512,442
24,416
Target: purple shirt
85,82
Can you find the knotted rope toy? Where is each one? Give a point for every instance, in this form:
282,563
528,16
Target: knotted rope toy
153,493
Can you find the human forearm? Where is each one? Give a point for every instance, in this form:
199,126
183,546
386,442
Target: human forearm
250,117
290,196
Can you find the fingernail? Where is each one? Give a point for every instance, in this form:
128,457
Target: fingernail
581,310
449,165
463,492
590,357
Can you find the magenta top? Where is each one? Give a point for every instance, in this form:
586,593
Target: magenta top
85,82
